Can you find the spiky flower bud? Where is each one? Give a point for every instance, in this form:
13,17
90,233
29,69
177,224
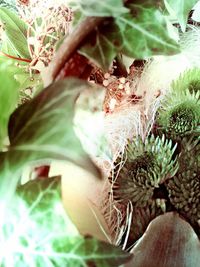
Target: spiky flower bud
179,114
184,187
144,166
189,80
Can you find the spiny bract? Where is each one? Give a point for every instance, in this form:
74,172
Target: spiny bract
142,168
184,187
179,114
189,80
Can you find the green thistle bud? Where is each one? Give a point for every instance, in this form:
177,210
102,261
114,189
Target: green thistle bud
142,169
184,187
189,80
179,114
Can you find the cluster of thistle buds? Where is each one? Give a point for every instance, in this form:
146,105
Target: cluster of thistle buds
47,23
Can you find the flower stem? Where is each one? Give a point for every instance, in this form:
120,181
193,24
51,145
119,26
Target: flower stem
69,46
16,58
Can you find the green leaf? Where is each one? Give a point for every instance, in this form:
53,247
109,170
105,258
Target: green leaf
13,67
180,9
141,34
100,254
144,34
41,233
43,127
46,190
9,97
14,40
44,199
34,82
146,3
102,53
196,13
108,8
23,78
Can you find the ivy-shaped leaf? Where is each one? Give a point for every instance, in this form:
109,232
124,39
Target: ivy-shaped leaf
46,190
14,40
9,96
108,8
45,236
102,53
43,127
180,9
147,3
101,254
196,13
141,33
